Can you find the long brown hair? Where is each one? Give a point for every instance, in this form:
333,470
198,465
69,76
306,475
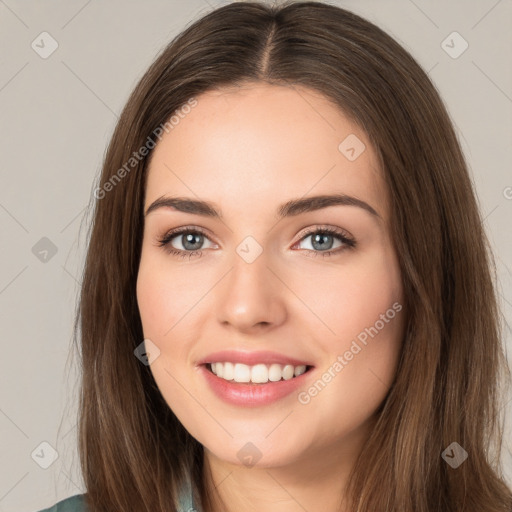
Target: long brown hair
134,452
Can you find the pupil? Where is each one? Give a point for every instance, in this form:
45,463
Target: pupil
189,239
318,239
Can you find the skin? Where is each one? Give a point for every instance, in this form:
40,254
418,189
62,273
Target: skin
248,150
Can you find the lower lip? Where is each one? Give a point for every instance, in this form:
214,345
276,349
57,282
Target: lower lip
252,395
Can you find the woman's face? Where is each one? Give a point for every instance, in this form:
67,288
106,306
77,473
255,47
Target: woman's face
260,277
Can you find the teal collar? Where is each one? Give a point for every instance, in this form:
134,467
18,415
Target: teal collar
186,499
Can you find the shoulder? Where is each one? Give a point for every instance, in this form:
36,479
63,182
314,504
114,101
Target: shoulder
77,503
72,504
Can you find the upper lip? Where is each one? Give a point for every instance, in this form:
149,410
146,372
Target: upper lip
251,358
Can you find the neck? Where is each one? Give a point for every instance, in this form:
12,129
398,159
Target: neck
315,481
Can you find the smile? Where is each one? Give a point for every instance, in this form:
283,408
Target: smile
249,393
256,374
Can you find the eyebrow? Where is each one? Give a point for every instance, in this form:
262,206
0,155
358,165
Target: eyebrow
288,209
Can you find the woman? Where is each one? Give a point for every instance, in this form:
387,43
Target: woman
228,367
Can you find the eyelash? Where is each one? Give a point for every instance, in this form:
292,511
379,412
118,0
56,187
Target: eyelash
349,243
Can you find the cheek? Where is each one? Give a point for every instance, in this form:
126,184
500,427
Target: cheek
162,296
151,298
163,302
362,308
351,298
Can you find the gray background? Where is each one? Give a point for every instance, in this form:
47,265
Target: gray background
57,115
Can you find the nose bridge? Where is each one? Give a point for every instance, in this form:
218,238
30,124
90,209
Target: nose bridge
251,294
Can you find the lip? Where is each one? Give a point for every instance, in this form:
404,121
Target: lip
252,395
251,358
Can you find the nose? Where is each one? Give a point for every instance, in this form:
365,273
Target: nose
251,297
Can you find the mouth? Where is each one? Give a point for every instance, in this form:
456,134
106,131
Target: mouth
254,378
240,373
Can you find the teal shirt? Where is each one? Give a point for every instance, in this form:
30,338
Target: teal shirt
77,503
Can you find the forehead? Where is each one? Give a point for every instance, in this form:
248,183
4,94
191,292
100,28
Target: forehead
248,147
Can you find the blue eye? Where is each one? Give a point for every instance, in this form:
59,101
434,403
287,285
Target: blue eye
323,239
192,240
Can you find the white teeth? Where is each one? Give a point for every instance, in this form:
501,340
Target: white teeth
228,371
288,372
242,372
275,372
299,370
258,374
